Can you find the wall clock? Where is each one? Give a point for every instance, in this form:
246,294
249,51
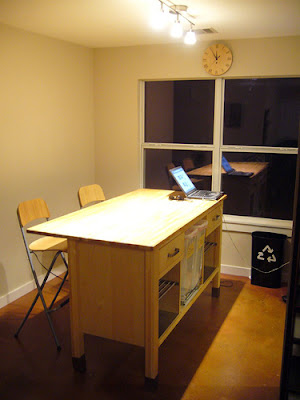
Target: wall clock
217,59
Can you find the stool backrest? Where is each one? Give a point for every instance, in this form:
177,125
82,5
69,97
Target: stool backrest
90,193
32,209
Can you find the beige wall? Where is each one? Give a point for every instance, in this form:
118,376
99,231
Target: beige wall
46,135
117,73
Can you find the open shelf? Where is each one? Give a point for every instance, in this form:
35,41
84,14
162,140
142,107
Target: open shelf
208,271
169,295
165,320
209,245
177,295
169,319
164,287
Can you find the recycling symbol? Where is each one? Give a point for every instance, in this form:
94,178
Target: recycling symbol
269,256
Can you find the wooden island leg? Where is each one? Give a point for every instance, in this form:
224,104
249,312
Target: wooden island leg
77,338
217,262
151,319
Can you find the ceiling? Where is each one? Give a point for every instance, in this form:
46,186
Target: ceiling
111,23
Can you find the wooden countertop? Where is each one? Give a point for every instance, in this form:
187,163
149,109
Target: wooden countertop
143,218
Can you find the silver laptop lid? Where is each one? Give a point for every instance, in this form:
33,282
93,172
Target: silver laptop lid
182,180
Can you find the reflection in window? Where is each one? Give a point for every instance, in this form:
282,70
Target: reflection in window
262,112
158,163
257,112
268,193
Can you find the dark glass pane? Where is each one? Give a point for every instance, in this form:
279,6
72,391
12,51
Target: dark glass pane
262,112
158,163
268,193
179,111
194,111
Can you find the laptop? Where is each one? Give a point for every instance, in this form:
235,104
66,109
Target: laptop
189,188
231,171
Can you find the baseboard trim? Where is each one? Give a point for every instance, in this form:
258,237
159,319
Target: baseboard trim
235,270
28,287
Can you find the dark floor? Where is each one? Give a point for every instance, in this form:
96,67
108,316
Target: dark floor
226,348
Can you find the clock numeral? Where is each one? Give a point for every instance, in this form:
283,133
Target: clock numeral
216,71
210,70
217,46
229,58
204,59
205,65
227,65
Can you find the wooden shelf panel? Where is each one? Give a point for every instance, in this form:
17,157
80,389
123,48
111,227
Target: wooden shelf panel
208,271
165,320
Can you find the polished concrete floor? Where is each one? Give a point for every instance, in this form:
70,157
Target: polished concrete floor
226,348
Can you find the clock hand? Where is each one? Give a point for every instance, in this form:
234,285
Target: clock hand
213,53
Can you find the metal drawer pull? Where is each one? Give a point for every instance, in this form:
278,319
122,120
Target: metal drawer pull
176,251
217,217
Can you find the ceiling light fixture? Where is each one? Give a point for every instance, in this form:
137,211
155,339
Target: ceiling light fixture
158,19
177,29
190,37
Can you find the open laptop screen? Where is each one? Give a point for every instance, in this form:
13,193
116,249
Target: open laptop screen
225,164
182,179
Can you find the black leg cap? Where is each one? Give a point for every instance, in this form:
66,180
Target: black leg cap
215,292
79,364
151,385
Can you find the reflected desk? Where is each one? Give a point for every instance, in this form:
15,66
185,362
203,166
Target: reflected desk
255,167
120,251
246,195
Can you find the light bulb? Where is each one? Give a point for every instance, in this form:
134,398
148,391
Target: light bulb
190,37
176,30
158,20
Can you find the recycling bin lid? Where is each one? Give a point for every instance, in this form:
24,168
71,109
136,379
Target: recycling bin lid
268,235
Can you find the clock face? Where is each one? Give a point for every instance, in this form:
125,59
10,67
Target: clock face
217,59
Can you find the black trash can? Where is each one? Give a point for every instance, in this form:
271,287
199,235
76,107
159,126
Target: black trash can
267,257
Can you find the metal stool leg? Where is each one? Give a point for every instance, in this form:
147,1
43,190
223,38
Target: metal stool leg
40,294
60,286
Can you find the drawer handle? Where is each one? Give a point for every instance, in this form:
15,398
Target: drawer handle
216,218
176,251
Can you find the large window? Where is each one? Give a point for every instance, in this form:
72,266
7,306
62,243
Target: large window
253,123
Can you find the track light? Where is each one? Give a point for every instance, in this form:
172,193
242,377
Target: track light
160,19
176,30
190,37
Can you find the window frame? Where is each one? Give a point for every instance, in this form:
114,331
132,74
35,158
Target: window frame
235,223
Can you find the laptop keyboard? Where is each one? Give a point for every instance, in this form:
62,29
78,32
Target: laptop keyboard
201,193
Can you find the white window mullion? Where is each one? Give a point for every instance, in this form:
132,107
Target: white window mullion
141,103
217,134
259,149
178,146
